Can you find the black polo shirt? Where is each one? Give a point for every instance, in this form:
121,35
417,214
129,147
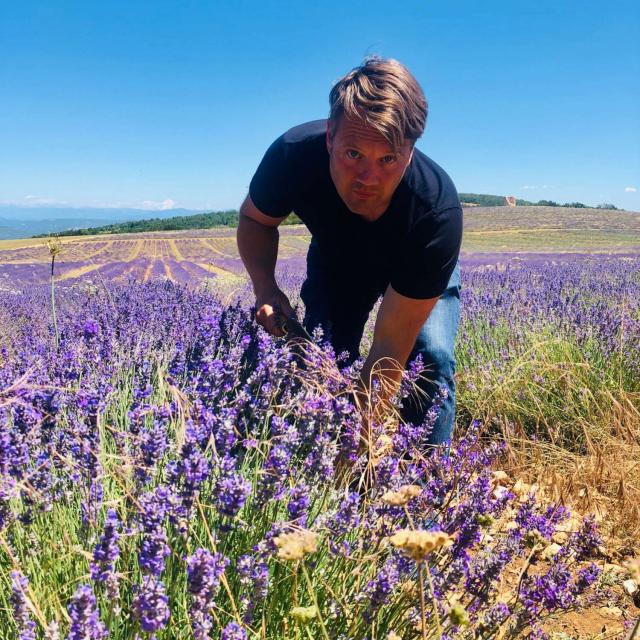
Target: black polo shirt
413,246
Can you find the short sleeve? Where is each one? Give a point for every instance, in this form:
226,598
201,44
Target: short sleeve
271,186
434,247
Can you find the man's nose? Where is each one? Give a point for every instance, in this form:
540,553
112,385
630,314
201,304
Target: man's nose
367,174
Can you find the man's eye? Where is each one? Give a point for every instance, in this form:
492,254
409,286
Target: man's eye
389,159
353,154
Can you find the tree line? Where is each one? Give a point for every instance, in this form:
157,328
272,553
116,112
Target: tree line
229,218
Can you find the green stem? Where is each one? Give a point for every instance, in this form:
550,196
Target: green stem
312,593
435,603
53,305
423,612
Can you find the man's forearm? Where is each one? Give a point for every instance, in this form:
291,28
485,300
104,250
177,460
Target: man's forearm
258,248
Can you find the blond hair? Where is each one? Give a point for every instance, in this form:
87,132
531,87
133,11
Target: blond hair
384,95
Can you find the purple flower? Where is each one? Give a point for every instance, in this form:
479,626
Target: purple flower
233,631
495,616
106,552
91,328
151,605
347,516
254,577
153,550
586,577
299,502
553,590
21,614
232,492
274,473
586,540
204,571
85,621
381,587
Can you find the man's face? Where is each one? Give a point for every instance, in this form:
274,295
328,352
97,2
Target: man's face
365,168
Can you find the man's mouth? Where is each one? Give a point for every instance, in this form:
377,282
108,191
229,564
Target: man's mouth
364,195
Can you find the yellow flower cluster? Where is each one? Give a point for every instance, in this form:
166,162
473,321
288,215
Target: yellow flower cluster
418,544
403,495
295,545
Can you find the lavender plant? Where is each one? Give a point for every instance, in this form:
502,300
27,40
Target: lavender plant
175,468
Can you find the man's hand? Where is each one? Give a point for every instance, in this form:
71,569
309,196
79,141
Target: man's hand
270,305
397,326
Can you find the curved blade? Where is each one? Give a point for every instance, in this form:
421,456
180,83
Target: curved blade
293,329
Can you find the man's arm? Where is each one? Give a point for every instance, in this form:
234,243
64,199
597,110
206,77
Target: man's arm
257,239
397,326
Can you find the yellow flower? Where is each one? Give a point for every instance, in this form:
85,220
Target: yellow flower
402,495
458,615
418,544
304,615
294,546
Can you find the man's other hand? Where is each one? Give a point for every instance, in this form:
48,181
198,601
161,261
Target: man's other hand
270,307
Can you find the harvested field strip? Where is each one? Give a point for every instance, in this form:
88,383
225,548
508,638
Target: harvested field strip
165,249
105,246
193,250
227,246
542,241
218,270
167,270
301,243
148,270
77,273
25,256
210,247
135,251
175,251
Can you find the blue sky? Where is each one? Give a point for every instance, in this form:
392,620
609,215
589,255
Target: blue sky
161,104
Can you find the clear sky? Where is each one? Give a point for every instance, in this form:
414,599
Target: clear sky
162,104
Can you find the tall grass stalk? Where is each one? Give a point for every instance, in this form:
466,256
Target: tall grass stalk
55,248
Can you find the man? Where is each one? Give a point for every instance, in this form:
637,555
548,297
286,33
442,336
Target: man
384,220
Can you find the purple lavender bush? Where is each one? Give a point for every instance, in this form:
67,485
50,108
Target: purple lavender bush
181,475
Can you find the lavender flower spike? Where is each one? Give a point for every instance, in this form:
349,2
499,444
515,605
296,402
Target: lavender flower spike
106,552
26,626
233,631
204,571
151,605
85,622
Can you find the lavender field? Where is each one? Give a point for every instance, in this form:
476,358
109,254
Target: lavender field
168,470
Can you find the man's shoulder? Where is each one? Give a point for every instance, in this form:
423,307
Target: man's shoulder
306,132
430,184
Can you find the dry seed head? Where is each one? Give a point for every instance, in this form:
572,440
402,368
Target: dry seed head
54,246
533,538
500,476
409,588
550,551
418,544
392,635
403,495
633,566
294,546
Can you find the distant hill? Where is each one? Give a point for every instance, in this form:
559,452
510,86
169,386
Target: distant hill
482,200
485,200
176,223
23,222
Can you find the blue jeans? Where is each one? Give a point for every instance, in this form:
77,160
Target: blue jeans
342,308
